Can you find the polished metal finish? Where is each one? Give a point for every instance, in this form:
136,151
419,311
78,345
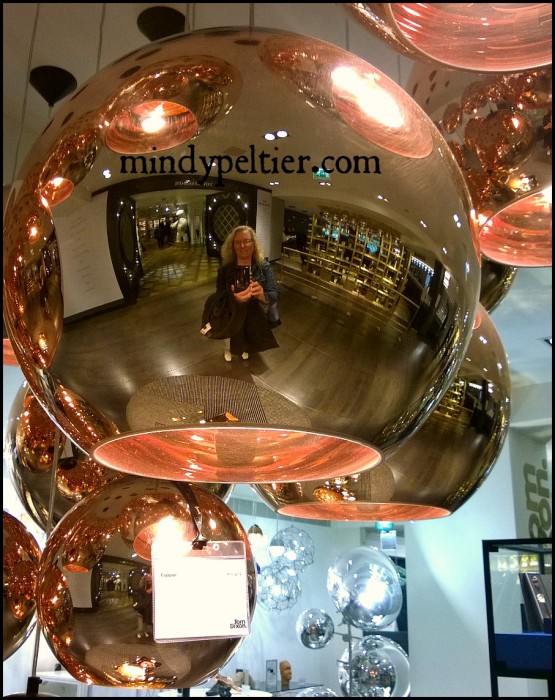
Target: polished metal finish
499,129
483,37
20,561
438,469
495,283
29,446
354,374
93,631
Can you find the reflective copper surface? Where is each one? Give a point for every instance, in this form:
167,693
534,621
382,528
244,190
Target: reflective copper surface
31,433
499,128
484,37
94,631
77,475
438,469
120,370
20,560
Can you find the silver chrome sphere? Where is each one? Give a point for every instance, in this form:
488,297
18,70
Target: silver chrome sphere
128,378
365,588
379,668
314,628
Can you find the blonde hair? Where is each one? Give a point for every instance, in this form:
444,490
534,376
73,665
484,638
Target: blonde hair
228,251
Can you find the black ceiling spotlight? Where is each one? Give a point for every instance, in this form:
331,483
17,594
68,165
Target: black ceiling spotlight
52,83
159,22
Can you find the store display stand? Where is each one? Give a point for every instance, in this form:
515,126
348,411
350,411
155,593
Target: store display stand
516,651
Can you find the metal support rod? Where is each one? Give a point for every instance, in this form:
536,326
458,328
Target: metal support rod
49,527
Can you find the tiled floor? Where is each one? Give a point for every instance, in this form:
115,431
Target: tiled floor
175,265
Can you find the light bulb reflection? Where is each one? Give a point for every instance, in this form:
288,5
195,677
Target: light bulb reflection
154,121
373,100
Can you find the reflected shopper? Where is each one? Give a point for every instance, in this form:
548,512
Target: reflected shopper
249,282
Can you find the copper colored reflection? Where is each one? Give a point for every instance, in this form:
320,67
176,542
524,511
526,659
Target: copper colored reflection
9,357
56,190
98,643
520,233
35,434
152,125
435,471
20,561
364,97
240,455
392,313
482,37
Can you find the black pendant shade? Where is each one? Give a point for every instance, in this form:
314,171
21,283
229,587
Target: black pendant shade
160,21
52,83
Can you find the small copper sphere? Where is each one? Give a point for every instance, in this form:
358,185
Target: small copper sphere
102,644
20,560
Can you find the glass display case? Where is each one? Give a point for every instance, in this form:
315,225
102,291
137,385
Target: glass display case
518,601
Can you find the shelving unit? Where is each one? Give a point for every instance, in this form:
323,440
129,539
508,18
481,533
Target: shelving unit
515,651
350,254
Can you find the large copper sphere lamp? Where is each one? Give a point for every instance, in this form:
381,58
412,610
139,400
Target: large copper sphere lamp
121,520
483,37
20,561
438,469
328,398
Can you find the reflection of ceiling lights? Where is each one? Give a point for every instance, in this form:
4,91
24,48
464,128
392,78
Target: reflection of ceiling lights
273,135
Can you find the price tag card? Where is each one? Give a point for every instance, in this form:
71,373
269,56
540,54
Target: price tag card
201,594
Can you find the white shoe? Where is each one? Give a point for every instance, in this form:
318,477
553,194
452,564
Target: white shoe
245,356
227,356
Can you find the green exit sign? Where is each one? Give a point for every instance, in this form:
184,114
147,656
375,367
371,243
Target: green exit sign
321,174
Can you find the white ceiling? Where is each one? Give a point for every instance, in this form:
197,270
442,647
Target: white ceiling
85,37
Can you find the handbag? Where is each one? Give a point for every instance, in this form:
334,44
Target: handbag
221,317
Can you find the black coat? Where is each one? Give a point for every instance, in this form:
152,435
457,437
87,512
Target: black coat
244,323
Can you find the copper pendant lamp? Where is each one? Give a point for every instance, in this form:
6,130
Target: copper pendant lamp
482,37
437,470
327,397
121,520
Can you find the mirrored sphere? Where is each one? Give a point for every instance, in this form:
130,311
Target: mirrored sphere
378,668
20,560
314,628
495,283
365,587
328,397
504,146
94,631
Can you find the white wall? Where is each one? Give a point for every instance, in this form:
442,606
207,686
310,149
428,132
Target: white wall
448,636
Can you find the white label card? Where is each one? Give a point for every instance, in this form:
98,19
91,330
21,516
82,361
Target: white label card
201,594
